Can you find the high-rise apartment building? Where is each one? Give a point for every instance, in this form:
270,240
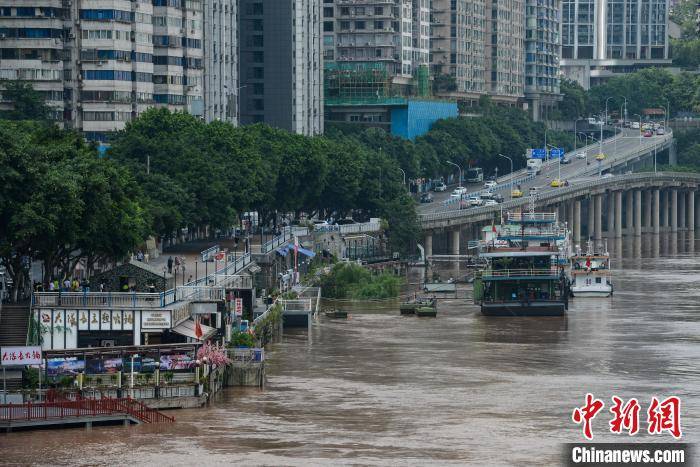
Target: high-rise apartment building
478,45
281,71
505,32
221,60
100,63
542,53
601,38
395,34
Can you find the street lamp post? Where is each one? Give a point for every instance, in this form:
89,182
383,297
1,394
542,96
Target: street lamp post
459,184
510,180
404,175
575,135
559,162
640,127
546,153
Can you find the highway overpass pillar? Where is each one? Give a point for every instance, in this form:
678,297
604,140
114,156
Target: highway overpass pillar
628,211
618,214
647,209
570,214
690,209
672,159
598,221
428,244
674,210
576,220
637,212
590,227
454,241
611,213
681,210
655,211
665,209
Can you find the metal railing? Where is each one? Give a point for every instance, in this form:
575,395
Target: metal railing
502,273
296,305
572,190
103,299
373,226
210,252
67,409
283,238
532,217
196,292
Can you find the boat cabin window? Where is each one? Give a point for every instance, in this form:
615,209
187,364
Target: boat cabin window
598,280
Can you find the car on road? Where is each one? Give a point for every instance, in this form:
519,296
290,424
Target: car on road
607,175
660,131
565,160
556,183
497,197
648,133
490,202
475,200
490,184
581,155
634,125
516,193
600,156
426,198
439,187
458,192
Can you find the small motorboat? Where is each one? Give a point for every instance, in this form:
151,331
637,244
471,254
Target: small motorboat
336,314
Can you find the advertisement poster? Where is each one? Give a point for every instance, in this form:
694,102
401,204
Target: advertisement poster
69,366
176,362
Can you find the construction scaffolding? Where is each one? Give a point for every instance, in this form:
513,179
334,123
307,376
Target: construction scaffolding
357,83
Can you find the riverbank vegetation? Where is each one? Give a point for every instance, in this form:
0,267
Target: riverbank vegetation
352,281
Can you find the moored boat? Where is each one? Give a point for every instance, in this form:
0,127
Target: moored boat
338,314
591,273
525,274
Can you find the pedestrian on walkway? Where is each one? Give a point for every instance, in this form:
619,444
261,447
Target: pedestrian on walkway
170,265
52,287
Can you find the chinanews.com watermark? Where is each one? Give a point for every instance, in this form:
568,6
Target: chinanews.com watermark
661,418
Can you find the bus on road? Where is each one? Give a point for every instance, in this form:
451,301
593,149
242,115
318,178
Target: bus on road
474,175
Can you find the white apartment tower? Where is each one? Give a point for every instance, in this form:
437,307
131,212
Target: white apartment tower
100,63
221,60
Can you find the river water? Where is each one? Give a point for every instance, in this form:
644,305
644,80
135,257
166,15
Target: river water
384,389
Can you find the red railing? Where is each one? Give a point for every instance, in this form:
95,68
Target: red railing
66,409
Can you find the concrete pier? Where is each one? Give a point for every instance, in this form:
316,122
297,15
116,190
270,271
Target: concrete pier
618,214
590,227
428,245
647,209
628,212
681,210
690,210
637,212
674,211
611,213
454,241
598,202
577,221
655,211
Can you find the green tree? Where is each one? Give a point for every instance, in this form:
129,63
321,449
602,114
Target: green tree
27,103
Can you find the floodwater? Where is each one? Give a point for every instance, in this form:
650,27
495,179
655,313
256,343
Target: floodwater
382,389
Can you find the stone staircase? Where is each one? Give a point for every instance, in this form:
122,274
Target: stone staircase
14,322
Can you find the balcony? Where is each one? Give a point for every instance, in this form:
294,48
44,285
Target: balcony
513,274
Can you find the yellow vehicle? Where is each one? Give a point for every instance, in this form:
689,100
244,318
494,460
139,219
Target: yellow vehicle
516,193
600,157
556,183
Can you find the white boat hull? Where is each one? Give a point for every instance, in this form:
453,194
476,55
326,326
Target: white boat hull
584,292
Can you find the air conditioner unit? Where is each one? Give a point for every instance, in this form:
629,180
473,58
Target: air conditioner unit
78,62
77,23
71,36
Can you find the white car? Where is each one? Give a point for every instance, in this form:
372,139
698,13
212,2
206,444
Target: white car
581,155
660,131
490,202
634,125
490,184
458,192
440,187
475,201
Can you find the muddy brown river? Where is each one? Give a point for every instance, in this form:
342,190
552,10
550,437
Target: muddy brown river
382,389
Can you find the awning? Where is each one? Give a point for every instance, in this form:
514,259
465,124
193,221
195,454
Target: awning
186,328
303,251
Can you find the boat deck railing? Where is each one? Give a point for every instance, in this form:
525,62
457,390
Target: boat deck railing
538,217
543,273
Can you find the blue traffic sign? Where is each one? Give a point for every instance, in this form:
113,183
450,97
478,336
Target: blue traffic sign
556,152
539,153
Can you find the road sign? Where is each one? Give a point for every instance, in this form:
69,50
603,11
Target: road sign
556,152
538,153
17,356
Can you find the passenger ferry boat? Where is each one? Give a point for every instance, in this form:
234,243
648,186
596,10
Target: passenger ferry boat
590,272
525,274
